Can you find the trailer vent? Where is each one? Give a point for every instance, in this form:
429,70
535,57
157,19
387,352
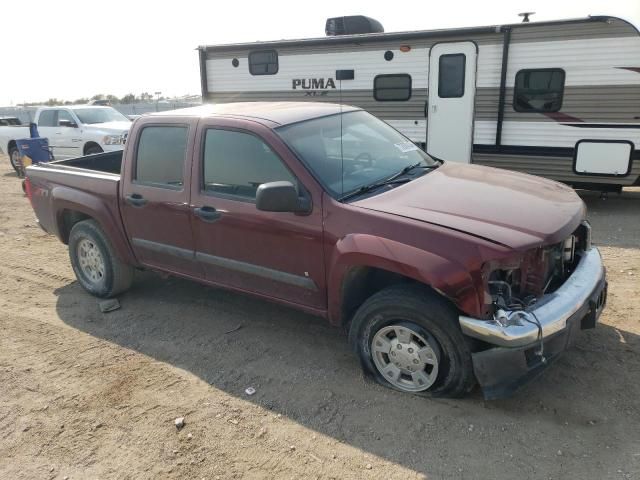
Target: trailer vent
352,25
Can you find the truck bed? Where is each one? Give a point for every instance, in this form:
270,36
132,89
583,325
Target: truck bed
109,162
88,185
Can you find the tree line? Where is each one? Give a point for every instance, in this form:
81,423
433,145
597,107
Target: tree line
112,99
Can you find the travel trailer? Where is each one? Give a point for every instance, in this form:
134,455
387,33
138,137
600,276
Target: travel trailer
560,99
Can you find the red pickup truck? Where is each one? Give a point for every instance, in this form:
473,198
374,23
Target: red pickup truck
445,275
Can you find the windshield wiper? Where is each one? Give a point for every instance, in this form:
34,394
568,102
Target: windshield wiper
408,168
393,179
373,186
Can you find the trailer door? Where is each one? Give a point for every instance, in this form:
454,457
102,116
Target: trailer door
452,90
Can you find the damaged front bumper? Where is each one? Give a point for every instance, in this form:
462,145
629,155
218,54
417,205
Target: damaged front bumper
522,348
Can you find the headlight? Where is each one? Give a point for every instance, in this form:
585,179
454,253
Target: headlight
112,140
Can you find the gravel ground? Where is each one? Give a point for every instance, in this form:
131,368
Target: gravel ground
92,395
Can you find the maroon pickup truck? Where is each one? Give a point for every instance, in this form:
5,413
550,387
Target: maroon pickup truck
445,275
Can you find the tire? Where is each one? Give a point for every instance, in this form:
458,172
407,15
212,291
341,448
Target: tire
14,158
420,329
94,262
93,149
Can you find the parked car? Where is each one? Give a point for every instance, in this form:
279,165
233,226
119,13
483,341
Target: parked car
444,274
6,121
72,131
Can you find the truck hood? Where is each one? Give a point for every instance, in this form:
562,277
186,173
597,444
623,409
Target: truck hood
110,127
512,209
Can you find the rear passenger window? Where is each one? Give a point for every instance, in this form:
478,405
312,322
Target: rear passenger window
161,154
263,62
47,118
237,163
395,87
451,70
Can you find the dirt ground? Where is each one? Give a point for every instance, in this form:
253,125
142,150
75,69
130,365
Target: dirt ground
91,395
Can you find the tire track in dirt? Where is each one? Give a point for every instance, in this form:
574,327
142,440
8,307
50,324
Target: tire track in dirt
32,275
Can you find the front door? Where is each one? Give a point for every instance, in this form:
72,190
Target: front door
452,89
68,139
275,254
155,195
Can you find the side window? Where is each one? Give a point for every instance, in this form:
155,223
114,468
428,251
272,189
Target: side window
65,116
160,156
451,71
47,118
395,87
263,62
538,90
237,163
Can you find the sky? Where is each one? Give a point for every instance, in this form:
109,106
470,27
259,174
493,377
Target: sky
68,49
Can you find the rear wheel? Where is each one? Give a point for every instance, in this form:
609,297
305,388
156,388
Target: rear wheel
94,262
14,158
408,338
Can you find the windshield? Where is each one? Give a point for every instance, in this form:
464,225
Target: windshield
99,115
351,150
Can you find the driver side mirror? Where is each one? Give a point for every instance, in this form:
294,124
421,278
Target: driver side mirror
281,197
67,123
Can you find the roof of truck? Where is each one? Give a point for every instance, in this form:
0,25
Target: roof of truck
281,113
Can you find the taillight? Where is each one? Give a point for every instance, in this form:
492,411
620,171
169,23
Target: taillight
28,190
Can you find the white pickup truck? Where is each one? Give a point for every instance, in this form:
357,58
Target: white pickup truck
72,131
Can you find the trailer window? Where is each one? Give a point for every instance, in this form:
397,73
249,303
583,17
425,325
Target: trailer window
451,71
396,87
160,156
538,90
237,163
263,62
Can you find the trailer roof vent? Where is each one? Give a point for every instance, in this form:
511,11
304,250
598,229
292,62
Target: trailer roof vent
352,25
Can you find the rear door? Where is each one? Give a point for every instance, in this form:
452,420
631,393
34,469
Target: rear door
278,255
452,89
47,128
155,194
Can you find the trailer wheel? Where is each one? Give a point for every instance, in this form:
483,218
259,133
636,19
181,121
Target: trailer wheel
408,339
94,262
14,158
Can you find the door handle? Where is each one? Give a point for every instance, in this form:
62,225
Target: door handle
136,200
434,108
207,214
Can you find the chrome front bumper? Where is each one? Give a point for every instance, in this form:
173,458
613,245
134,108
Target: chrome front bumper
551,312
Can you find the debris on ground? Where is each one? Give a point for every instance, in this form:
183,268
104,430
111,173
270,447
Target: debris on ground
179,422
109,305
250,391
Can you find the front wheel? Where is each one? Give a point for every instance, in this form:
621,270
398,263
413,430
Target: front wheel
408,339
94,262
93,149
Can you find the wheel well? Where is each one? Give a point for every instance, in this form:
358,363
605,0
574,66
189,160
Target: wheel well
68,219
88,145
361,283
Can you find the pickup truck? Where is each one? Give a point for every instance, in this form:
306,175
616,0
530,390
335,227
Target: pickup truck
444,275
72,131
